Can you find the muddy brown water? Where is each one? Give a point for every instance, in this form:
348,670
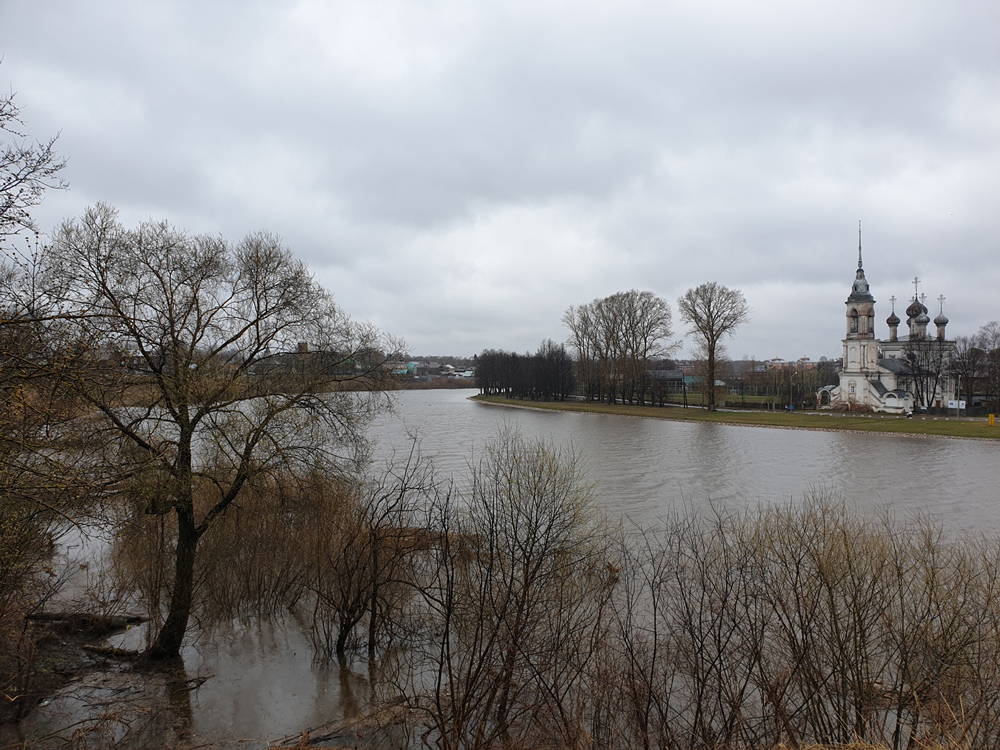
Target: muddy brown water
644,468
245,686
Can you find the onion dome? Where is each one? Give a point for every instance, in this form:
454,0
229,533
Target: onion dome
892,320
940,321
916,309
923,319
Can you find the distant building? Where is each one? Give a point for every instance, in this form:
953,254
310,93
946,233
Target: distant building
896,374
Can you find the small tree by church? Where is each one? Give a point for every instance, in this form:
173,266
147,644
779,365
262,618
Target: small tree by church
928,362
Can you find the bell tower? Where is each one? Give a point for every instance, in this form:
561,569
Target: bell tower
860,346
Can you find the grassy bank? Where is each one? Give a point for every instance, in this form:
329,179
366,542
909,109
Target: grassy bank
917,425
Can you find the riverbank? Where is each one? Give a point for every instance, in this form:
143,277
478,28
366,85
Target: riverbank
829,421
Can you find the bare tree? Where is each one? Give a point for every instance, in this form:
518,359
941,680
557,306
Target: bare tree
513,594
27,169
713,311
967,363
210,364
582,338
358,556
37,479
988,338
32,396
646,324
929,362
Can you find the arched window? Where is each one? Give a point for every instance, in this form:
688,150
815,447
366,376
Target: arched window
854,321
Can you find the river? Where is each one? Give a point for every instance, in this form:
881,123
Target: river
644,468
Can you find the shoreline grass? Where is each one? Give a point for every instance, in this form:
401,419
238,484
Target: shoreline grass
928,426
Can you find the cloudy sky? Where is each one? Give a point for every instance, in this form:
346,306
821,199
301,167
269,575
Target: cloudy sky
461,172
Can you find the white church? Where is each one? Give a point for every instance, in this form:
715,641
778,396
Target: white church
893,375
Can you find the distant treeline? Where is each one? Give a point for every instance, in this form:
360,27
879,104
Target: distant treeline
546,375
617,340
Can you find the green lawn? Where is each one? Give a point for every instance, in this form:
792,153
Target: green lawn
941,426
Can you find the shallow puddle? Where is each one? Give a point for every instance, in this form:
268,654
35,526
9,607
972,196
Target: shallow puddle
240,686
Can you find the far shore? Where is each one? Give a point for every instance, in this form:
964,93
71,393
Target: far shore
931,426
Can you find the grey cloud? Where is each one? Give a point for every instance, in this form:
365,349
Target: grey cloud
427,162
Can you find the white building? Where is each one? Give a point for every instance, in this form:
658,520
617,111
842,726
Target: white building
897,374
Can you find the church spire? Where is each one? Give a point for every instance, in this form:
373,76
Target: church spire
859,243
860,292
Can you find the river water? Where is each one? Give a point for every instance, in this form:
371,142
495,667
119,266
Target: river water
260,682
644,468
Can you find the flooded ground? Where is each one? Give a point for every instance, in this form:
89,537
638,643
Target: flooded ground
239,685
251,686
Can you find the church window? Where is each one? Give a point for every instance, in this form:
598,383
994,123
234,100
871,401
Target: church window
854,321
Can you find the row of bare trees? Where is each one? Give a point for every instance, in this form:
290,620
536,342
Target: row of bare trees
615,338
547,375
975,363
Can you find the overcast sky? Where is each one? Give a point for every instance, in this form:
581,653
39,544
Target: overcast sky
461,172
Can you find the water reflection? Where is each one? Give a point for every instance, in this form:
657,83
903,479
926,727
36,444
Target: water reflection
240,686
264,683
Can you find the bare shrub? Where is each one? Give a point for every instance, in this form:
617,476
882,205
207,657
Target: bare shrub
809,624
334,549
513,598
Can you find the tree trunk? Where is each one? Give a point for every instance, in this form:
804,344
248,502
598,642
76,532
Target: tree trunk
710,385
373,601
342,644
168,642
